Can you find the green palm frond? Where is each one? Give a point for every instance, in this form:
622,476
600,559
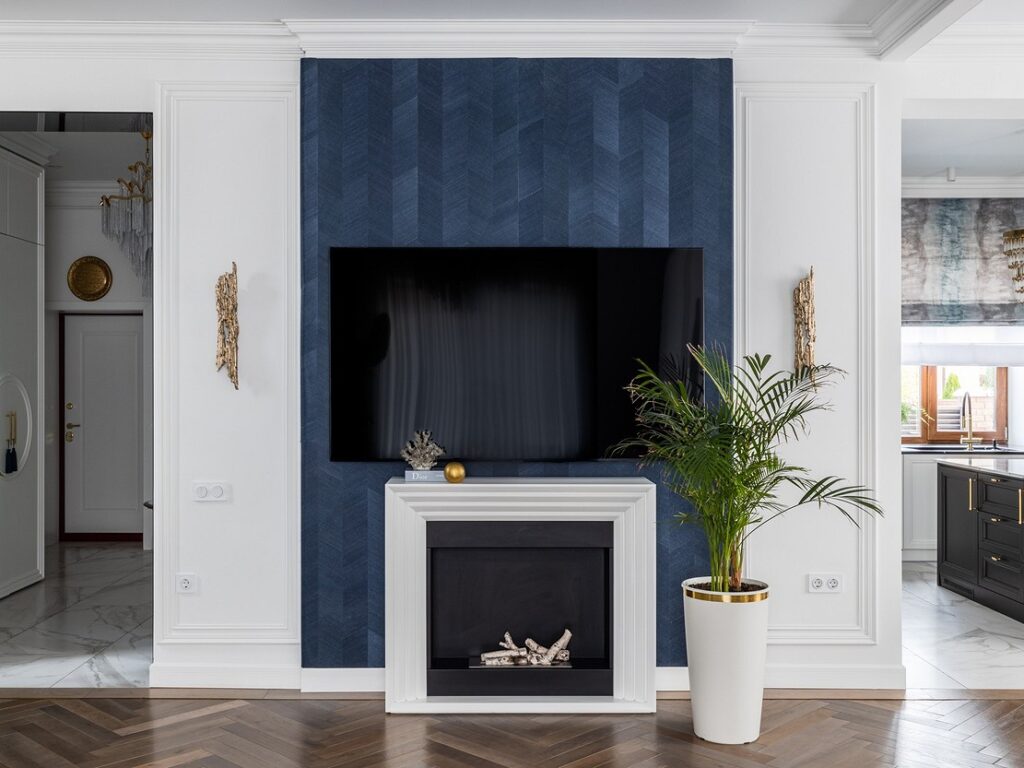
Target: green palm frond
721,454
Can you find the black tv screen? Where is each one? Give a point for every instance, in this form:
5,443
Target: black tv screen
502,353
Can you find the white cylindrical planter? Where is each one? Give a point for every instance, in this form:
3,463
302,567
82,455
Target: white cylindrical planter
726,645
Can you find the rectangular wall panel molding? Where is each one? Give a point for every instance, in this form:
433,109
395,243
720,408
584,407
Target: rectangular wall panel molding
502,152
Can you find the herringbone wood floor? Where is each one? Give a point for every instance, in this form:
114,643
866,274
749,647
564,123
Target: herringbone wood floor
118,733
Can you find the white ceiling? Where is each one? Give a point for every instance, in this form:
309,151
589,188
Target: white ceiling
973,147
995,12
90,156
772,11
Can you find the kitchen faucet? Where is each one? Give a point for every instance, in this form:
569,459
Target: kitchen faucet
967,423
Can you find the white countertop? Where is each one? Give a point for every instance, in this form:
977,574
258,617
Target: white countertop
1011,467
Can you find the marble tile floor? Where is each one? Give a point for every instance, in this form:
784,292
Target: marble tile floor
88,624
952,642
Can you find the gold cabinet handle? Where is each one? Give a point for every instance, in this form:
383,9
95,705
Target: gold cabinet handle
1020,506
994,480
970,494
995,520
995,558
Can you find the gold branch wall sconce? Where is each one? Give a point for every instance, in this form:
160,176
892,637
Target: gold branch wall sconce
804,331
227,323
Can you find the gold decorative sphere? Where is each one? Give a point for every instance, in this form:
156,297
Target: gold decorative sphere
454,472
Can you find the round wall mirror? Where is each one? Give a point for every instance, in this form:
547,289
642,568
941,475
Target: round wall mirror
15,425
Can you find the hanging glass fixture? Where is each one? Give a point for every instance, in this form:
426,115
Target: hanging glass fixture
128,217
1013,249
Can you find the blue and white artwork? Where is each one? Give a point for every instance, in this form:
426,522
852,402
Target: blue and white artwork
954,271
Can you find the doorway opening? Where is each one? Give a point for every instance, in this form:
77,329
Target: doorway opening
962,400
78,334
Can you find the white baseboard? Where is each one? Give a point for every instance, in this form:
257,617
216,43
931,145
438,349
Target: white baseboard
20,581
362,680
164,675
343,680
672,678
846,676
919,555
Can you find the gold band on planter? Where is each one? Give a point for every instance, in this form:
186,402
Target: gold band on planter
726,597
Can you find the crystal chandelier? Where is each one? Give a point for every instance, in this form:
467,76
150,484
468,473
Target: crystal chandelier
128,217
1013,249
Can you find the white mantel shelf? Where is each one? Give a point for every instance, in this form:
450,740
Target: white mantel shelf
628,503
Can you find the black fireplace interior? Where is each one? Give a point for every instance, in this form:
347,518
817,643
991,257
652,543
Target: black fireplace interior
532,579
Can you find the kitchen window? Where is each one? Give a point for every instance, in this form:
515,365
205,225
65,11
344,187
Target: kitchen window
932,397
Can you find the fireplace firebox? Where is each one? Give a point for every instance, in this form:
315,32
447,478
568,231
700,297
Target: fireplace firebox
530,579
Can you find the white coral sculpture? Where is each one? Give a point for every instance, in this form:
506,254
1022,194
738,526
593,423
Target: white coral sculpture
421,452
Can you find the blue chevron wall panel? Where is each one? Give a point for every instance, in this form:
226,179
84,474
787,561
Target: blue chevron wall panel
503,152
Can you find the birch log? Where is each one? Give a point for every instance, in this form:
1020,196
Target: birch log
536,648
506,654
558,645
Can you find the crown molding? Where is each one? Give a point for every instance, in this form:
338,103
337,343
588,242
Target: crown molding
964,186
29,146
905,26
147,40
808,41
78,194
976,42
899,31
430,38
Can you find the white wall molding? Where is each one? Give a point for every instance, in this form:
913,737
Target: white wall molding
28,146
976,42
861,630
78,194
842,676
667,679
343,680
432,38
905,26
262,587
628,503
899,31
147,40
964,186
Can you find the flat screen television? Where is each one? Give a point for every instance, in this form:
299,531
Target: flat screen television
503,353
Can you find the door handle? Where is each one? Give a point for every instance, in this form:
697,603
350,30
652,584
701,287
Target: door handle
995,558
69,425
970,494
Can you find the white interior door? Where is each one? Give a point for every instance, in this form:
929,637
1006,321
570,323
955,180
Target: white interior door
103,423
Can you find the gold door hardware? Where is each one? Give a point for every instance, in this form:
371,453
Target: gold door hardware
994,480
69,425
69,405
1020,506
69,436
970,494
995,520
995,558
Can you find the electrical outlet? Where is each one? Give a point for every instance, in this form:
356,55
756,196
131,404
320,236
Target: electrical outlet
825,582
212,491
188,583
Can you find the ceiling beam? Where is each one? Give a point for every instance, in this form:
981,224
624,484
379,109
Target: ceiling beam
907,25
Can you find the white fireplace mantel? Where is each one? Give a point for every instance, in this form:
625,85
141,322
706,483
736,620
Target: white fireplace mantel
629,503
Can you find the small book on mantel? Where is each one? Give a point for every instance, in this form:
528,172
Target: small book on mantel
424,475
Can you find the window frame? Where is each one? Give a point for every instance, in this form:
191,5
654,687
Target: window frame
928,434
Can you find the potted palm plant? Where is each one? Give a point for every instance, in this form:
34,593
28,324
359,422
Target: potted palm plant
721,454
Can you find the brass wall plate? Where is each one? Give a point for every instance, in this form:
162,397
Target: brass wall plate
90,278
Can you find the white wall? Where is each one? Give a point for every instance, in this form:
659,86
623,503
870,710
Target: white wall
227,188
73,230
817,174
